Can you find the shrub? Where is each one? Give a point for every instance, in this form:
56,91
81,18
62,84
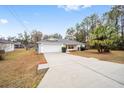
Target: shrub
118,44
82,48
63,49
2,54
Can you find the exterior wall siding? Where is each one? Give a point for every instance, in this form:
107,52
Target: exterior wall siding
53,48
7,47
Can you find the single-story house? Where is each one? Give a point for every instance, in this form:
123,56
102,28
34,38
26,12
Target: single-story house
55,45
18,45
6,45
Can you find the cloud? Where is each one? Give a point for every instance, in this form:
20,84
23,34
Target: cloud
86,6
3,21
73,7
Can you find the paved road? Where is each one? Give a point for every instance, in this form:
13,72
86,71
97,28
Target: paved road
69,71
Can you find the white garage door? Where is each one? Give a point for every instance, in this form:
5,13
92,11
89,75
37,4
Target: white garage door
50,48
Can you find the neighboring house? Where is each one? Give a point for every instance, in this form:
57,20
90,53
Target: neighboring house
6,45
18,45
54,45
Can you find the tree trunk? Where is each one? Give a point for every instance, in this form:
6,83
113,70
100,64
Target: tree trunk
116,25
26,46
98,50
122,32
106,49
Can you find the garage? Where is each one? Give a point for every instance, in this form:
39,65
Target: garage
55,45
49,48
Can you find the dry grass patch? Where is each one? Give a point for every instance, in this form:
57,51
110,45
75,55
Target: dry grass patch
114,56
19,69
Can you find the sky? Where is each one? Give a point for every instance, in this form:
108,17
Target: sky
48,19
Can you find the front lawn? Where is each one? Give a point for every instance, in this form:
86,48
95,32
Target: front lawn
114,56
19,69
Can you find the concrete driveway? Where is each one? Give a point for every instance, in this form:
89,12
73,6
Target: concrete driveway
69,71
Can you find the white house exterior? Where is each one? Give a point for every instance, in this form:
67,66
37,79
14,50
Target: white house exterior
46,46
8,46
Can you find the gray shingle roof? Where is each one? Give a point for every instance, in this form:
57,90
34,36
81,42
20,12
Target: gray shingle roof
60,41
5,41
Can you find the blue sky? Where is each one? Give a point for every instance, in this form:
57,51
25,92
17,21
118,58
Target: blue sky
47,19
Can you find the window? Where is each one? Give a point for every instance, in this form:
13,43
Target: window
70,47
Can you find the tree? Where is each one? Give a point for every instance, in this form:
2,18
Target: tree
122,21
120,43
88,24
85,30
56,35
102,38
70,34
36,36
94,19
25,39
114,16
13,39
100,30
80,36
80,33
45,37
